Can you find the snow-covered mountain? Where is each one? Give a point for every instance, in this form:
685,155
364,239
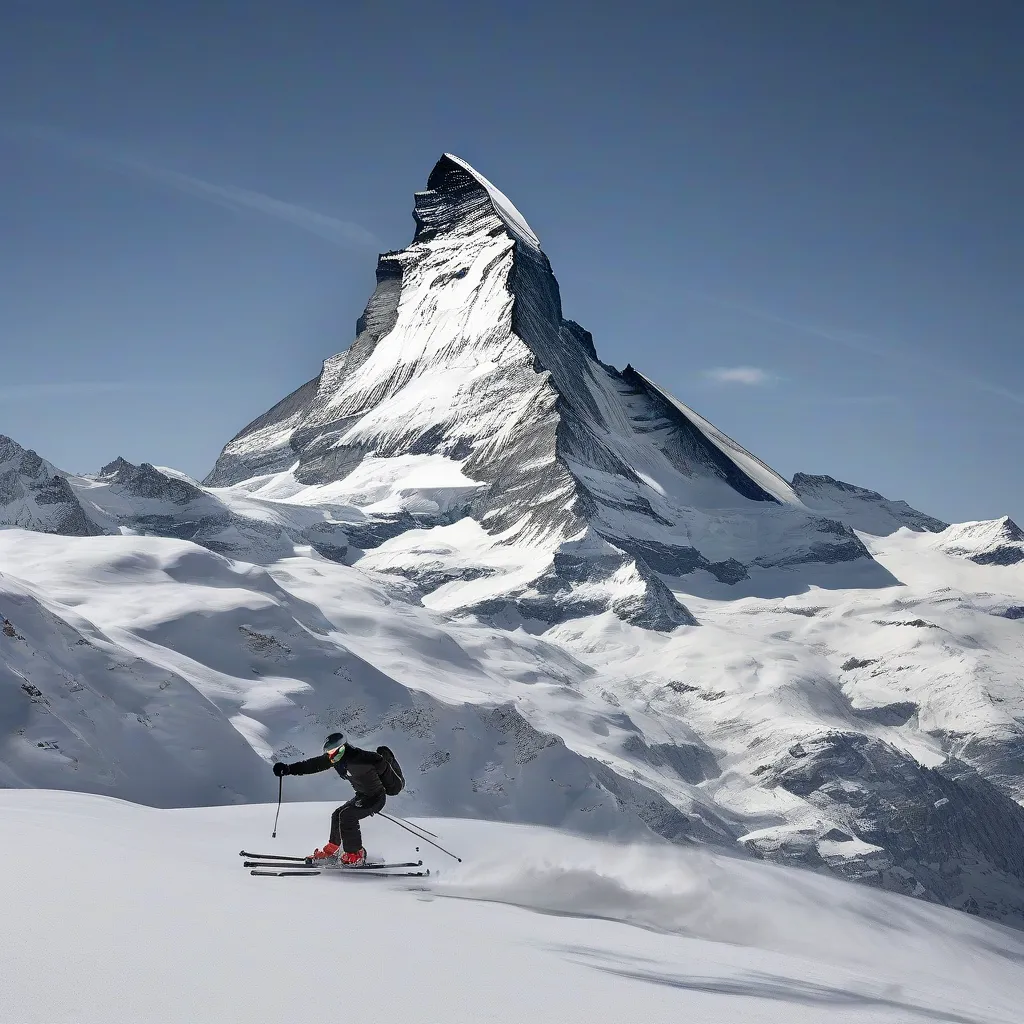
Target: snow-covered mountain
154,670
471,539
33,494
466,398
861,508
994,542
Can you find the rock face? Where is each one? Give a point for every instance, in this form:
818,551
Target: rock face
36,496
465,375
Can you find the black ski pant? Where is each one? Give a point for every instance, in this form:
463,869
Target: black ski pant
345,822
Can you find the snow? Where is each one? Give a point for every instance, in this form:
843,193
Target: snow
414,483
153,917
863,509
171,675
467,395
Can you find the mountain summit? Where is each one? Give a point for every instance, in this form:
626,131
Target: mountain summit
468,391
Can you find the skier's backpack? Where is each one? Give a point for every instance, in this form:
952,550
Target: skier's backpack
391,776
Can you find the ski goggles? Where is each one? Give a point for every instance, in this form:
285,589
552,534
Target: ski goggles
336,753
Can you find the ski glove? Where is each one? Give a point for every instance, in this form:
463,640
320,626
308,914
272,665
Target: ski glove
280,768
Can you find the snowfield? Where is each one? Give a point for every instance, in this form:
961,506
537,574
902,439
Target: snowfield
831,727
115,912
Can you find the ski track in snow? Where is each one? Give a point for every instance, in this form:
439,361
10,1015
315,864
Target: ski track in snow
154,918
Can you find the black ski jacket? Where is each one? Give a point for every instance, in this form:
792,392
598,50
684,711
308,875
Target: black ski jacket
360,767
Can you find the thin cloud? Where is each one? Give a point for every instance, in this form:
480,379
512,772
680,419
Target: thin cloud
74,388
833,400
749,376
865,344
340,232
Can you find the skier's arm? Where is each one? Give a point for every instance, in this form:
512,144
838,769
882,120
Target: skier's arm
311,766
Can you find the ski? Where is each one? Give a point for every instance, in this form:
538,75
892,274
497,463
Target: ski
425,873
298,872
272,856
330,866
283,874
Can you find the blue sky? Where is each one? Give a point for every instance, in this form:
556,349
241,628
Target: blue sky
806,220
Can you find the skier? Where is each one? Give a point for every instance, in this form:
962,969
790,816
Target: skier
363,768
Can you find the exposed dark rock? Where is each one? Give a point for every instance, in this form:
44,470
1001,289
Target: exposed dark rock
835,835
862,508
851,663
145,481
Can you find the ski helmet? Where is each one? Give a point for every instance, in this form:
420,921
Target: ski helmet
334,746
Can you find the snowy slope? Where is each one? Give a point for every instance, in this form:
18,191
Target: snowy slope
872,734
124,498
155,670
168,926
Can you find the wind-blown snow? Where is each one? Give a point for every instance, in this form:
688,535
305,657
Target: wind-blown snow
158,920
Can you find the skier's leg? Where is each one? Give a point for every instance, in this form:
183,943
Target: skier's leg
348,817
336,819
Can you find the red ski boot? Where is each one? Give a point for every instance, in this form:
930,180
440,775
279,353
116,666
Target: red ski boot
329,852
354,860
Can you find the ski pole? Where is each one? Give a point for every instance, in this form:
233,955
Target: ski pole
280,786
418,836
420,833
420,828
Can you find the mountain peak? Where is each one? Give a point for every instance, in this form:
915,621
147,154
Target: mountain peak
861,508
456,192
36,496
468,407
988,542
